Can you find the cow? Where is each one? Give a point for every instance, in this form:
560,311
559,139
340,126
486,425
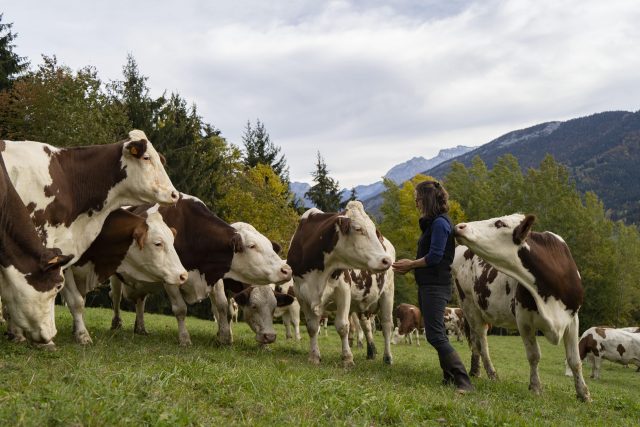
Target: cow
139,246
323,244
356,332
549,290
291,313
615,345
30,273
409,322
454,321
69,192
233,310
210,249
258,307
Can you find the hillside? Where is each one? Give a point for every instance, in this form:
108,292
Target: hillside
602,152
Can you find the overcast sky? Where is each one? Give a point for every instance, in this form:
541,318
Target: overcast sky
369,84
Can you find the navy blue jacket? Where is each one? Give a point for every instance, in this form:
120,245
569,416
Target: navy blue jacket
437,244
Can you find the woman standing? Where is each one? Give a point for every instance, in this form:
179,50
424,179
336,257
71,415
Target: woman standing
436,248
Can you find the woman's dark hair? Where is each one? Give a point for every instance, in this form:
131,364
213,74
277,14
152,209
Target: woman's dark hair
432,199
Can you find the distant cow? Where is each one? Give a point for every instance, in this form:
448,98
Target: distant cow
210,249
409,322
549,290
140,246
233,310
323,244
30,274
615,345
454,321
69,192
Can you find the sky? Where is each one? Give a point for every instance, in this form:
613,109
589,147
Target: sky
368,84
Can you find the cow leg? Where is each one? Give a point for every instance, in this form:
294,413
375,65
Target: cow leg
294,312
116,297
385,313
220,304
138,328
179,308
482,347
313,326
342,296
288,325
570,339
365,323
528,335
75,302
2,313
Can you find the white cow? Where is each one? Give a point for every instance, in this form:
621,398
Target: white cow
322,244
291,313
549,292
615,345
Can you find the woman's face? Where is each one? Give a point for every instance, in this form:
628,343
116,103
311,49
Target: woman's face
415,196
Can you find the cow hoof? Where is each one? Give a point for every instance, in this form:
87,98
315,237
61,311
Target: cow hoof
140,331
387,360
537,390
348,363
83,338
314,359
116,323
586,398
50,346
494,377
371,352
185,342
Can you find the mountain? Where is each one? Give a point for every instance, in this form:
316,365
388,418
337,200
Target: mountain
601,151
398,174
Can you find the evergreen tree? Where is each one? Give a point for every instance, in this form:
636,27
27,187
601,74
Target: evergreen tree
326,193
352,196
11,65
260,150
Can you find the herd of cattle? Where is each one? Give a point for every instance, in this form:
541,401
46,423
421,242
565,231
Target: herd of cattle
72,219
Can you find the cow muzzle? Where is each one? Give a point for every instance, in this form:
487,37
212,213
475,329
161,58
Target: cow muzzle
266,338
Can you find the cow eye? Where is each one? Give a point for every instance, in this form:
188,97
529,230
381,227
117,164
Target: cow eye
146,157
357,228
500,224
252,246
158,244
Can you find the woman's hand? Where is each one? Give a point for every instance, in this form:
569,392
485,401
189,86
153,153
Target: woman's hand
403,266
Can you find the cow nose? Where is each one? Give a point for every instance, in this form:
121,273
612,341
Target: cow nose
174,196
268,338
386,262
286,270
183,277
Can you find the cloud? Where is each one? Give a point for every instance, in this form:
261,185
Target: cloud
368,83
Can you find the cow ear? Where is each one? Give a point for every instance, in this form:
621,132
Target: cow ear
276,247
52,261
234,286
163,159
243,297
136,148
344,222
523,229
236,243
174,232
140,234
283,300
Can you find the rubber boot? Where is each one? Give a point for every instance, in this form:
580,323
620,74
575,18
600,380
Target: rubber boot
453,367
447,378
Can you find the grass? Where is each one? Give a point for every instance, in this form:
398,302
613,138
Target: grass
124,379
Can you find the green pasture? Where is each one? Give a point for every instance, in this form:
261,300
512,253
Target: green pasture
130,380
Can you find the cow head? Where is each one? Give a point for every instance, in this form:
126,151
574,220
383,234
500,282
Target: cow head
258,304
496,240
30,298
147,181
152,256
254,259
358,245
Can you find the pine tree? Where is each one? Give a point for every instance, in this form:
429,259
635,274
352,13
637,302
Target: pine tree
326,193
260,150
10,63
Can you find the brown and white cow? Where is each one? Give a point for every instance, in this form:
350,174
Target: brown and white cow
615,345
323,244
30,274
454,321
291,313
139,246
69,192
409,322
549,292
210,249
259,304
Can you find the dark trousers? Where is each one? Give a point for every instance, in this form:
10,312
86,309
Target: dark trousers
433,300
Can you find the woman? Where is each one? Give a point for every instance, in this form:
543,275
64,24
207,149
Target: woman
436,248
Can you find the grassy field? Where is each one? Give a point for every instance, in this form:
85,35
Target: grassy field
124,379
